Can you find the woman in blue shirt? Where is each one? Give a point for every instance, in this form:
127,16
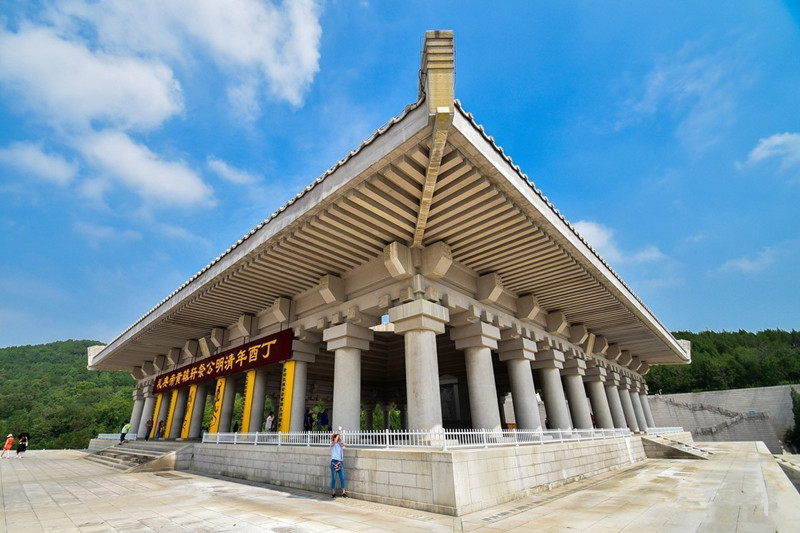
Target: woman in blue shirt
337,463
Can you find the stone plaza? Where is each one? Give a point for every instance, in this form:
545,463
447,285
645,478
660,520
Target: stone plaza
740,488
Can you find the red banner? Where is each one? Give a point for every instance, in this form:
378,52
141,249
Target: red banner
267,350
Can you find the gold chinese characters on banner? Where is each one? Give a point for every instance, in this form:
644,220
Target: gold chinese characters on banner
267,350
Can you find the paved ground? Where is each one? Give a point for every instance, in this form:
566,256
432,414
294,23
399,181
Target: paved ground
739,489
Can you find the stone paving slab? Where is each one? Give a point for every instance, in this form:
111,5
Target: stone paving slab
740,489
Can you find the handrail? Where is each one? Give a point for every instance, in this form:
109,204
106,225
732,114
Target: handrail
442,439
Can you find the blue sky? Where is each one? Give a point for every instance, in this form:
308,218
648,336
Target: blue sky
139,140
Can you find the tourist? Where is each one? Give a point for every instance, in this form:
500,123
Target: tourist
308,421
337,463
149,427
22,444
323,420
270,422
125,428
160,429
8,445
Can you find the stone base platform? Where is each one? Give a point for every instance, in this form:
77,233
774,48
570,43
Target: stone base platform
453,482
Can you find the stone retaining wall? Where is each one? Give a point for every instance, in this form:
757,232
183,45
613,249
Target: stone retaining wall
451,482
757,414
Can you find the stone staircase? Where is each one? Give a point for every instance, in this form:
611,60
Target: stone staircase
660,447
138,455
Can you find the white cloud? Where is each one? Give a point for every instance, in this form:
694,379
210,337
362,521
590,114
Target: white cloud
784,146
69,84
136,167
182,234
601,238
31,159
98,234
749,265
229,173
276,43
696,89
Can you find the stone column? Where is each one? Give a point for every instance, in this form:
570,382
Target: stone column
573,372
550,362
518,353
178,413
627,405
256,421
163,412
477,340
387,413
147,413
370,413
228,399
614,402
593,380
198,409
419,321
646,407
305,349
347,341
637,406
136,413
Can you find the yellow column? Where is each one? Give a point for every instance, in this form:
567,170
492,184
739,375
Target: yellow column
171,412
219,392
187,418
155,416
285,406
250,383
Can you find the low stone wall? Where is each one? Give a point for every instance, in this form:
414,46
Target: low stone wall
451,482
96,445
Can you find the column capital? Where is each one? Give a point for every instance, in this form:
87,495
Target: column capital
304,351
595,373
574,367
419,315
549,359
348,335
476,335
612,379
518,348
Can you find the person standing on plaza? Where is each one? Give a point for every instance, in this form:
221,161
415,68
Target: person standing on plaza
160,429
124,431
323,420
22,444
148,427
270,421
8,445
337,462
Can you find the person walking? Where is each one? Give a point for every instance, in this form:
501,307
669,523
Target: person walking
8,445
337,462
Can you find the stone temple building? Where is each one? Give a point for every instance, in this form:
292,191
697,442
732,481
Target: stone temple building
423,272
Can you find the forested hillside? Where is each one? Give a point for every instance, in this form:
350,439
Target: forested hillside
732,360
47,391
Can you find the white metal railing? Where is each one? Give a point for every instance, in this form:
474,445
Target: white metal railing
663,431
441,439
116,436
